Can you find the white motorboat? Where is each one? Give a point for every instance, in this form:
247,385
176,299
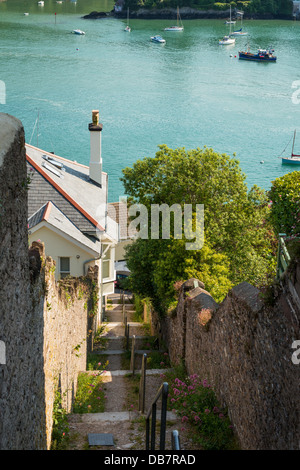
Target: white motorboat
158,38
78,31
41,3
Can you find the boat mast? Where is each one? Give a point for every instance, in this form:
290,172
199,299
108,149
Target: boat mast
293,143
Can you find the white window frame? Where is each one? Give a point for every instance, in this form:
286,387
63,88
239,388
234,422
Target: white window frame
63,274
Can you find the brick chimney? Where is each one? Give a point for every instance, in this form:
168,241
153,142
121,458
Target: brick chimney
95,129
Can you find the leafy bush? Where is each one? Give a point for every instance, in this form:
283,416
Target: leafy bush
60,429
285,204
195,402
90,396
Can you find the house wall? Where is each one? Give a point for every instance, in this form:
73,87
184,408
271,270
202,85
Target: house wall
57,246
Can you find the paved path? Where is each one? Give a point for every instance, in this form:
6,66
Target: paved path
121,417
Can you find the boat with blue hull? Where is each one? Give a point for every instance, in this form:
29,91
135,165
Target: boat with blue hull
262,55
293,159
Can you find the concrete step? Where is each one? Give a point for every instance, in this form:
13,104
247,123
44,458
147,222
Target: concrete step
119,416
120,373
109,352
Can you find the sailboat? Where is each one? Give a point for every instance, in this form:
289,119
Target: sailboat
179,26
239,32
293,159
128,29
227,39
230,20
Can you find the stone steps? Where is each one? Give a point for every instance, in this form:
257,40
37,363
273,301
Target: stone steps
119,416
122,426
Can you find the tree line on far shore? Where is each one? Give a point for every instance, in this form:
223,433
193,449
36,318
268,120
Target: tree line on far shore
276,8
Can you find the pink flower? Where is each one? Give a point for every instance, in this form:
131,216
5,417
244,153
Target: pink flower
207,411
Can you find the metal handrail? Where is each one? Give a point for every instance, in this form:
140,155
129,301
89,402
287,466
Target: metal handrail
283,257
175,440
132,358
163,392
123,308
142,388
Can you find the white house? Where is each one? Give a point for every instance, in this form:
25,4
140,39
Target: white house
67,209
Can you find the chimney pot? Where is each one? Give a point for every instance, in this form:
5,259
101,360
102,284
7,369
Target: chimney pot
95,117
95,129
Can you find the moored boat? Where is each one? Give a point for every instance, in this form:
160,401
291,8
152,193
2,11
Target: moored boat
158,38
178,26
239,32
78,31
262,55
227,39
127,28
293,159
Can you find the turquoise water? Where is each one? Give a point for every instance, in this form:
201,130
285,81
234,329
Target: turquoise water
187,93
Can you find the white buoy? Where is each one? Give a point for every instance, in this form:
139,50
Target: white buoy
262,161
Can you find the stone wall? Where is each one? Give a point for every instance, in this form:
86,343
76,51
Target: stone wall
65,308
22,405
44,326
244,348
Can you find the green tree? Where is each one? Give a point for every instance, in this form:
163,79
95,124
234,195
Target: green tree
285,204
238,240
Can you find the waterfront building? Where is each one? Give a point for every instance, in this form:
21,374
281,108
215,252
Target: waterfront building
67,209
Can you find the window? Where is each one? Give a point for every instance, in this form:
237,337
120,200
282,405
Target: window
64,267
106,262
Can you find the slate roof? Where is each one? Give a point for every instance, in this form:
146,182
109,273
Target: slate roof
119,213
81,200
51,215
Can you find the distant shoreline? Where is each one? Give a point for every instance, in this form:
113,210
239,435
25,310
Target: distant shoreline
186,13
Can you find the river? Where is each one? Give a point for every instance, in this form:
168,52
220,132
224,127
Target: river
189,92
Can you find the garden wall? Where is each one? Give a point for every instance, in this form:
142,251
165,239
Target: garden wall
65,309
244,348
43,325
